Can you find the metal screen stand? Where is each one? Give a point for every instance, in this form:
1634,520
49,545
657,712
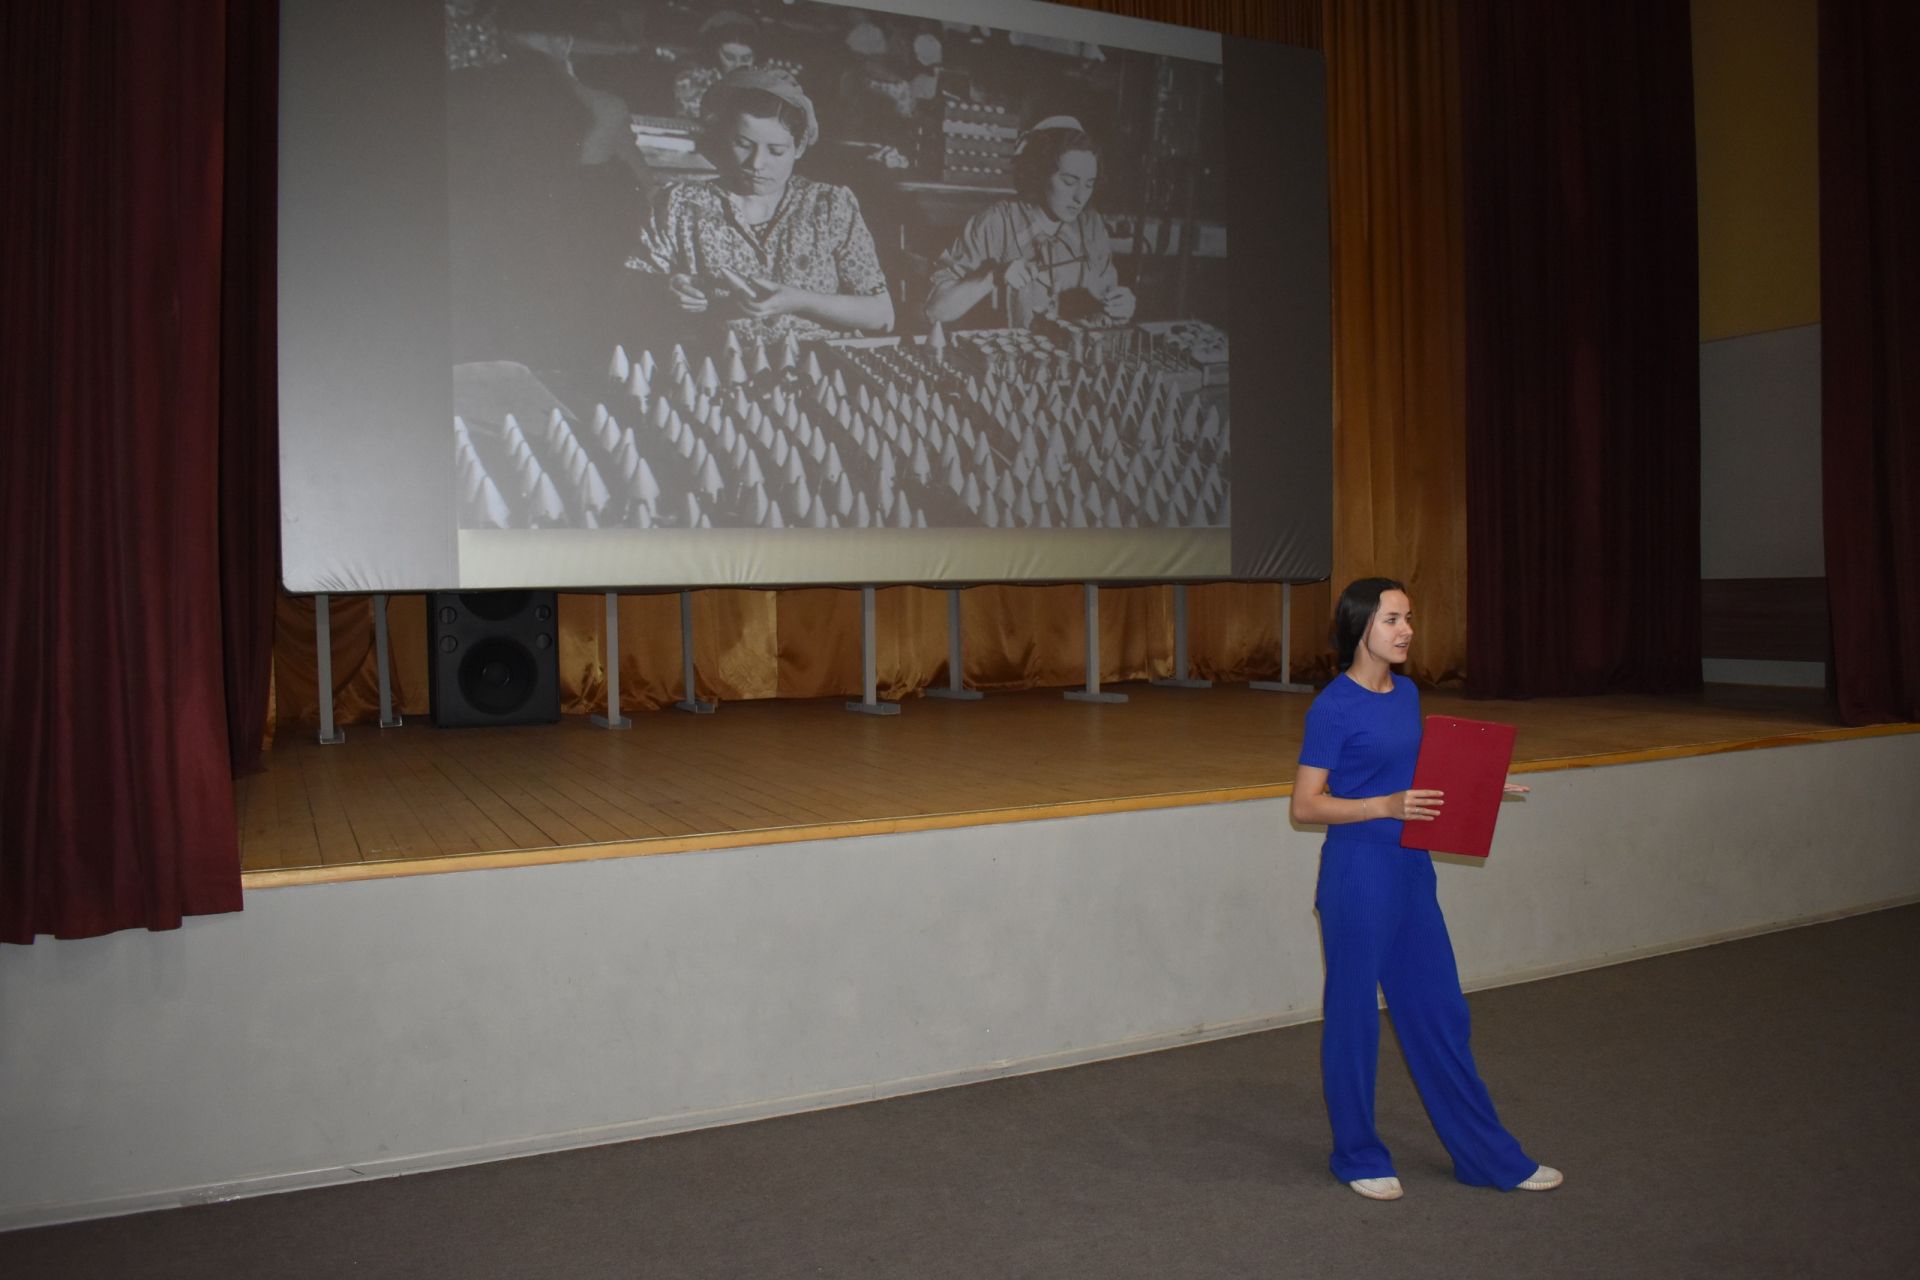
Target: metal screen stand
613,719
388,718
956,690
323,651
1092,692
692,702
1180,679
870,705
1284,684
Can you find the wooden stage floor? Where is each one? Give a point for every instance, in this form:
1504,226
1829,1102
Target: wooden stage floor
417,799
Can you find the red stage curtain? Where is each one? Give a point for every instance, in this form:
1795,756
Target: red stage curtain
1583,413
117,810
249,377
1870,351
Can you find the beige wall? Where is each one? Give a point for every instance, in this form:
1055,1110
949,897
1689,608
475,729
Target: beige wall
1756,119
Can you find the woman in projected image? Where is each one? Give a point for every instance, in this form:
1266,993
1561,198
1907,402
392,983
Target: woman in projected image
762,250
1380,921
1046,251
726,44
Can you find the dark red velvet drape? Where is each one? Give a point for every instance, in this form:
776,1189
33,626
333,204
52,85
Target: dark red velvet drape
117,810
1870,351
249,376
1583,436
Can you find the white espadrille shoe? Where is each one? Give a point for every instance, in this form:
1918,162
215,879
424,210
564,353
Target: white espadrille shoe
1378,1188
1545,1178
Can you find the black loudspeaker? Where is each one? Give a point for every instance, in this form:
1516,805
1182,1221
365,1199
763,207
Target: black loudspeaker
494,657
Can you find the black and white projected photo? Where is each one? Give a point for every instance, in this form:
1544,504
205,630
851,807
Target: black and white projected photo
637,293
771,265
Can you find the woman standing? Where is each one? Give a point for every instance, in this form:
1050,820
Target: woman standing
1380,920
1047,248
762,250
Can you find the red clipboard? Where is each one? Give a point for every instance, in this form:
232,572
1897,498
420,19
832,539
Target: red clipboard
1468,760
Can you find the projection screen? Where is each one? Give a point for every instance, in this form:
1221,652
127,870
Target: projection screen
605,293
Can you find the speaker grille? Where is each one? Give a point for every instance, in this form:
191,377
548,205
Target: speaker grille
497,676
493,658
505,606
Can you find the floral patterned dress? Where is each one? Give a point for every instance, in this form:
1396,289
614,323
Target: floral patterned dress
816,240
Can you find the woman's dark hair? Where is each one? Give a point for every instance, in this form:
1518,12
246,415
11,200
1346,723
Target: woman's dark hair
719,109
1034,166
724,28
1353,614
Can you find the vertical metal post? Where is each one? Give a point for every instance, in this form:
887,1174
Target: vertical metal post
1286,631
613,719
870,704
1092,692
1179,679
869,648
1285,684
323,651
956,689
692,702
388,720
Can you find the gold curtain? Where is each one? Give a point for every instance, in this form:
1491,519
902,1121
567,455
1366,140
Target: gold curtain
1399,353
805,643
1399,458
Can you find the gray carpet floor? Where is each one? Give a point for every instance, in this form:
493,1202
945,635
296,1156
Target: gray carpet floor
1749,1109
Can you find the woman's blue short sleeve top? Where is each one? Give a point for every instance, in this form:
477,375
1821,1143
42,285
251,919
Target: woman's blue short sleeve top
1367,742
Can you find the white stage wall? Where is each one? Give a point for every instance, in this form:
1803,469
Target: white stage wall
341,1031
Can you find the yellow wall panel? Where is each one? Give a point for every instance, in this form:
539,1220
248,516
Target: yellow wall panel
1756,118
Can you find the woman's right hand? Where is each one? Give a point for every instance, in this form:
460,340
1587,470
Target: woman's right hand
685,294
1018,274
1118,305
1415,806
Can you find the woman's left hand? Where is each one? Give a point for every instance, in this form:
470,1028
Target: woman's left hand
1119,304
1515,789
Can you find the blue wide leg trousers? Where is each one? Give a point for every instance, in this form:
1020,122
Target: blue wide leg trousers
1380,927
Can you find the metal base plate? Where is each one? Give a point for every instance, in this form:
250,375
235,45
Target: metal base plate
1279,686
956,695
620,722
1181,682
1093,695
697,706
875,708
